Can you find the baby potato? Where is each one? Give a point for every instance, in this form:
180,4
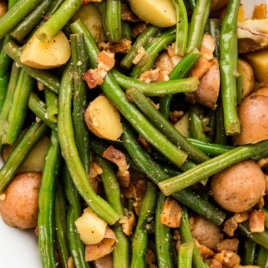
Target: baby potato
103,119
19,208
239,187
160,13
48,55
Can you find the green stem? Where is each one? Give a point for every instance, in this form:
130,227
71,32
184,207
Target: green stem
185,254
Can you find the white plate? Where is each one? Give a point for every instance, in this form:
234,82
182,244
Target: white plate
19,248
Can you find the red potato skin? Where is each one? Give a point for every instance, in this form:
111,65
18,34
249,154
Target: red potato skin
239,187
20,207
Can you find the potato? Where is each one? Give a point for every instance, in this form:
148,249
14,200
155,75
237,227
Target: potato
218,4
90,227
46,55
248,79
20,207
239,187
160,13
253,116
35,160
103,119
183,125
91,17
259,62
206,232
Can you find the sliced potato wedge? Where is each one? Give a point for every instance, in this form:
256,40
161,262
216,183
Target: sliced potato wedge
183,125
160,13
103,119
48,55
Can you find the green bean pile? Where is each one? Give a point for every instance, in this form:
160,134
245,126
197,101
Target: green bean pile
52,102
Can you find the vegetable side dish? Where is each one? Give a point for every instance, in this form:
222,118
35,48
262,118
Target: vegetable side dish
134,133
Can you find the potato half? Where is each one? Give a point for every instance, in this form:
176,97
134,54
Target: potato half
160,13
48,55
103,119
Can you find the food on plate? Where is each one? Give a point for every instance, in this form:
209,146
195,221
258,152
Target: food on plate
140,134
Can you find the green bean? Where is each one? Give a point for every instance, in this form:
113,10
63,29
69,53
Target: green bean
185,254
198,23
162,237
262,257
60,225
211,167
191,3
46,203
31,21
152,50
186,236
113,193
52,105
15,71
141,41
113,20
181,70
56,22
181,27
196,124
46,78
249,252
228,67
70,152
74,211
39,108
126,30
153,171
133,94
239,88
211,149
259,238
157,88
15,14
114,93
214,29
18,110
20,152
266,217
80,61
140,240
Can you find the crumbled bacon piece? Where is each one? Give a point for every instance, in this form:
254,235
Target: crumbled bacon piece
228,258
200,68
141,52
93,177
147,146
128,223
204,251
164,63
127,14
231,224
171,214
116,47
175,116
229,244
215,264
207,47
150,258
150,76
94,77
138,28
256,221
105,60
119,159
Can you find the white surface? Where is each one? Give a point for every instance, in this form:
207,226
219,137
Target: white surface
18,248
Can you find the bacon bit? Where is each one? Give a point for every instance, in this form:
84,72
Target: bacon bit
84,2
147,146
200,68
163,76
204,251
105,60
171,214
228,244
175,116
174,58
128,15
94,77
138,28
228,258
93,176
141,52
207,47
105,247
241,217
231,224
70,262
130,191
256,221
116,47
104,262
150,258
262,163
118,158
128,223
215,264
164,63
150,76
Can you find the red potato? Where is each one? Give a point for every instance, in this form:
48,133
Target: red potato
19,209
239,187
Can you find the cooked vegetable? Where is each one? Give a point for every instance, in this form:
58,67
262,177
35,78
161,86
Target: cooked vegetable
19,202
96,119
243,183
160,13
48,55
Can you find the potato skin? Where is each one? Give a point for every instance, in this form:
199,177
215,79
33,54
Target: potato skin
20,207
239,187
